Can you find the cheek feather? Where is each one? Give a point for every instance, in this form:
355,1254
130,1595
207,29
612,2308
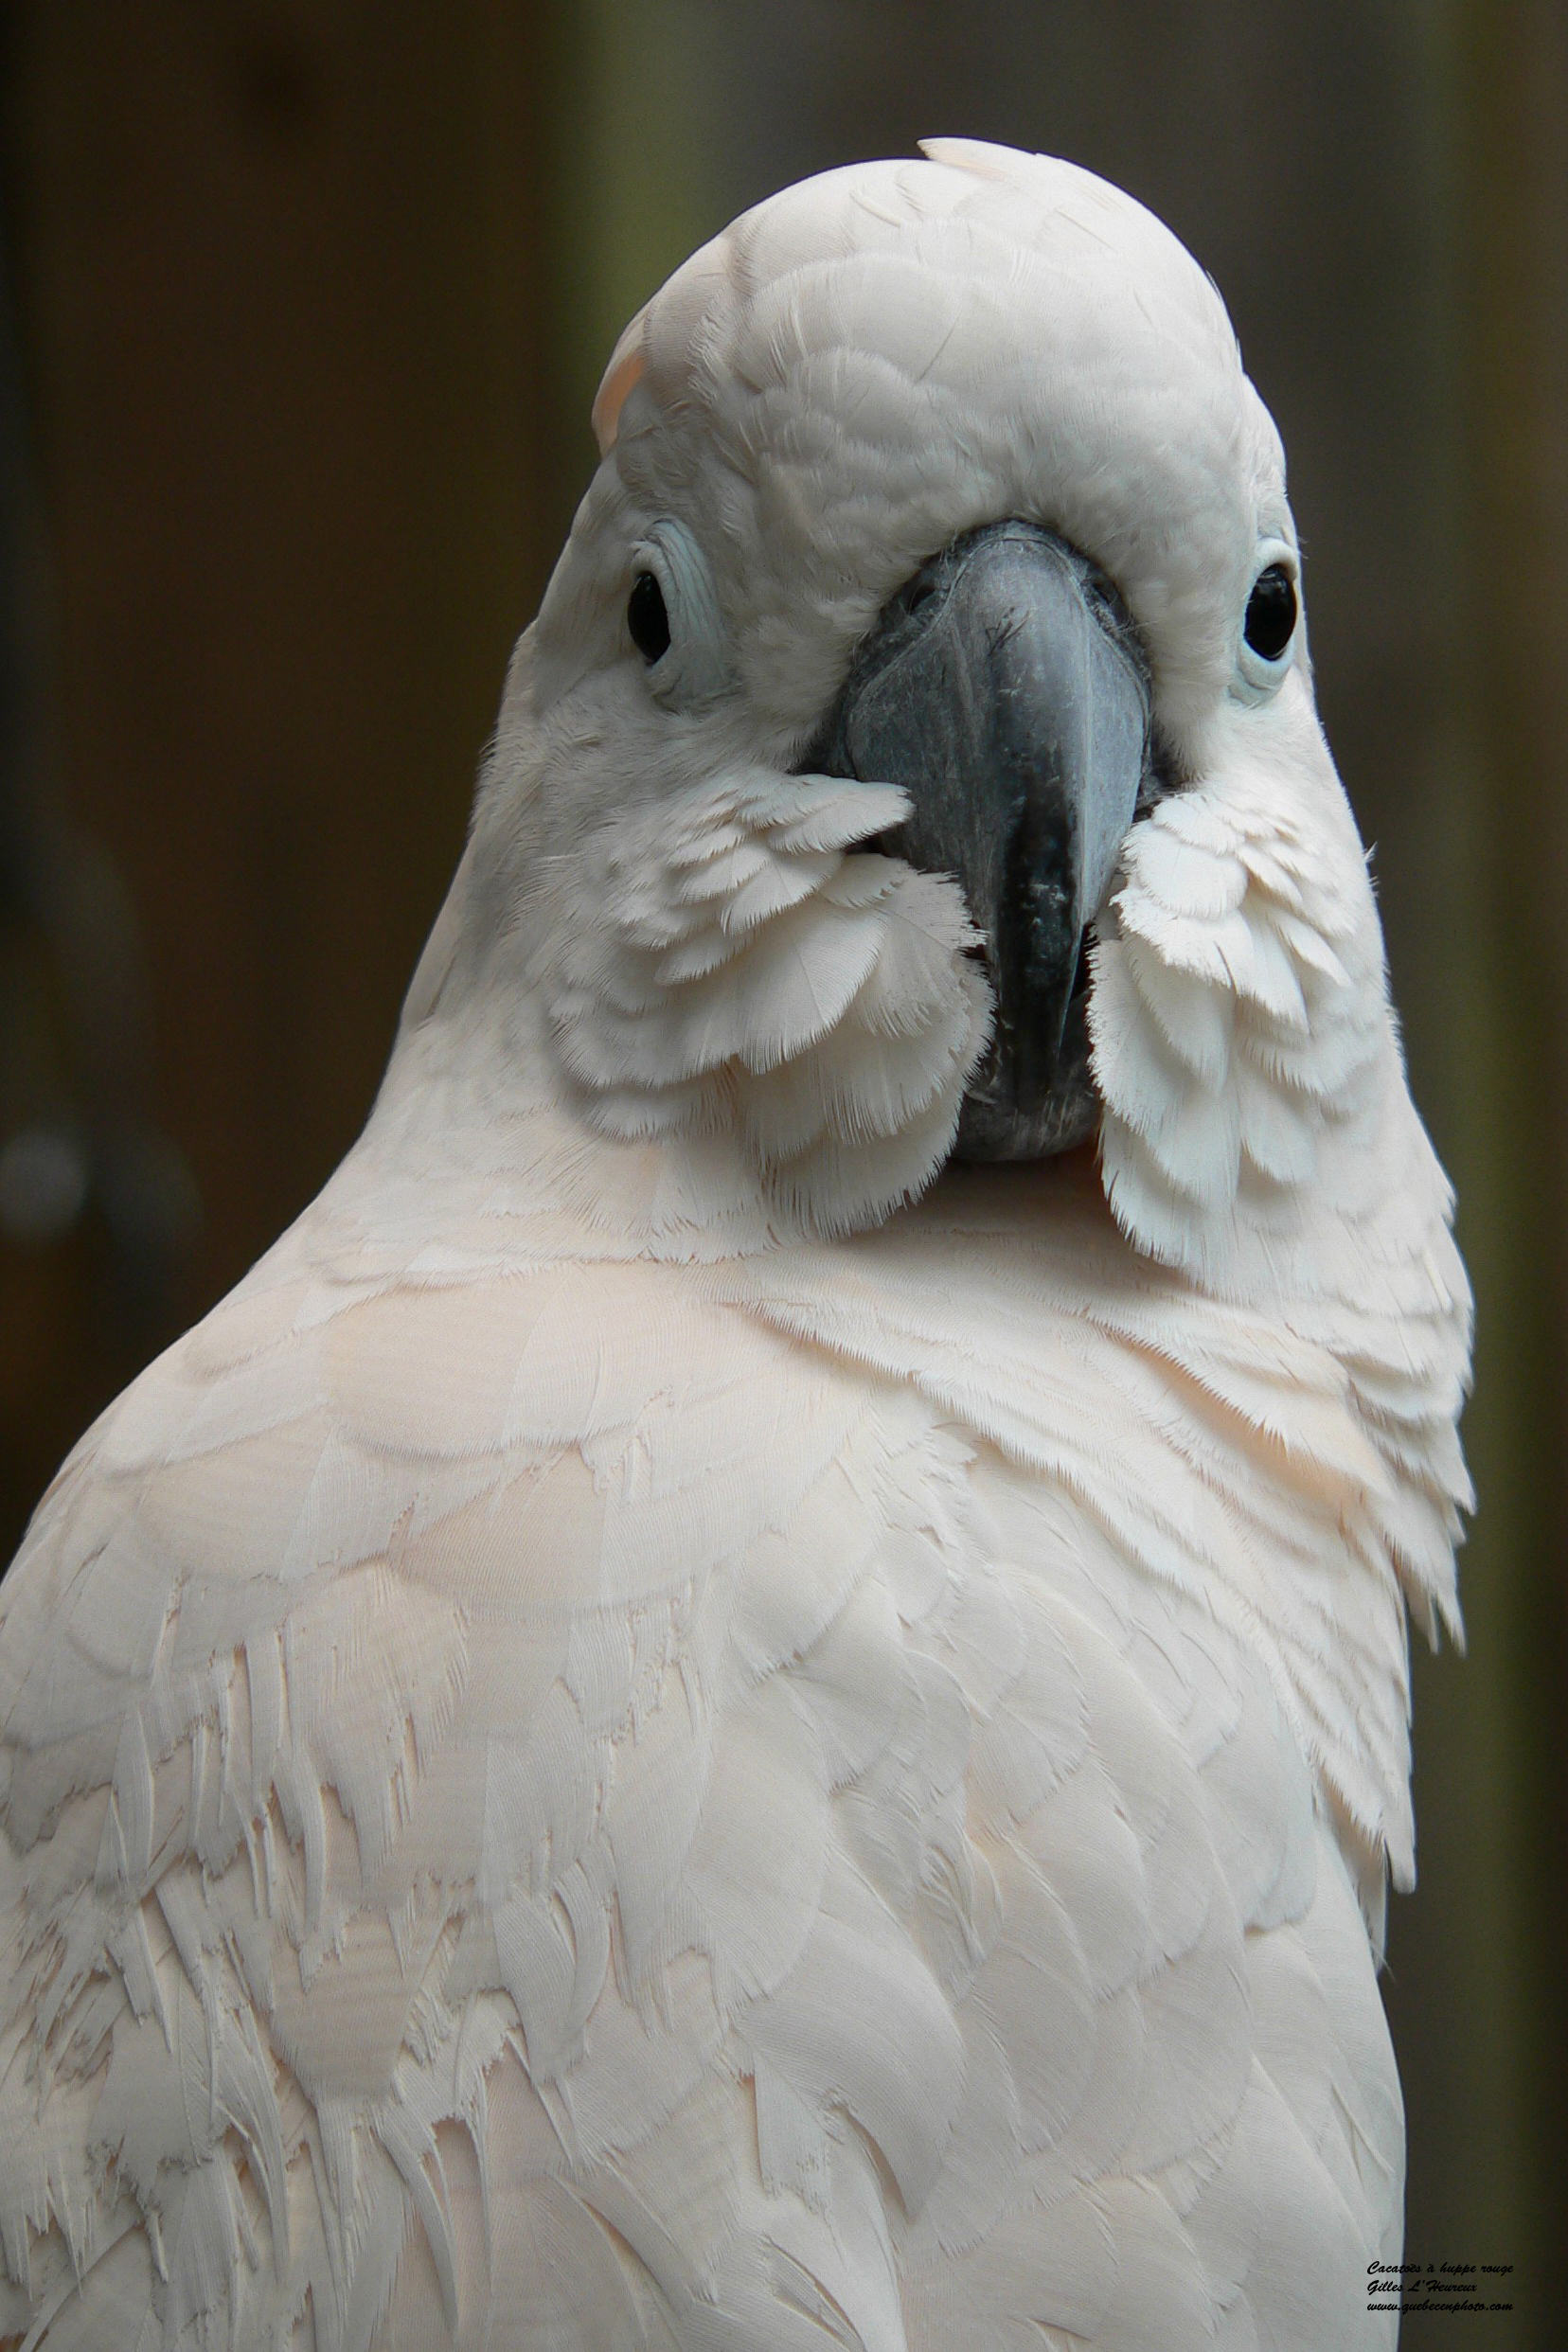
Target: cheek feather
730,960
1237,1013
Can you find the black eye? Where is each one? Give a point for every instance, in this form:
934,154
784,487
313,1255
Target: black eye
1271,618
647,619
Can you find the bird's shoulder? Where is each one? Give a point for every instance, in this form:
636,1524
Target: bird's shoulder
542,1438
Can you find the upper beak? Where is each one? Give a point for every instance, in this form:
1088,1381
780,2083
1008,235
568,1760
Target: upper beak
1004,686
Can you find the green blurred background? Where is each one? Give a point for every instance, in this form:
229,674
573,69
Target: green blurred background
304,308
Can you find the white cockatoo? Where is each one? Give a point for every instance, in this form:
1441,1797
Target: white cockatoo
753,1694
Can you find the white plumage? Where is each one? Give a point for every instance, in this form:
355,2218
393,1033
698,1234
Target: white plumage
678,1726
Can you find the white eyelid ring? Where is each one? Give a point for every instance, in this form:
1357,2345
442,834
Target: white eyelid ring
696,669
1269,626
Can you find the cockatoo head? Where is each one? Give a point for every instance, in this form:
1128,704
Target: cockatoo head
914,755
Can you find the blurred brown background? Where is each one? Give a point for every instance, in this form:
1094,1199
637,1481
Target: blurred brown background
304,305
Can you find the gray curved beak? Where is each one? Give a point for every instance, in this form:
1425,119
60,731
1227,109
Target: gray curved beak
1004,686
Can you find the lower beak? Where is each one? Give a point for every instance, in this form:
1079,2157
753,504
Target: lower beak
1004,688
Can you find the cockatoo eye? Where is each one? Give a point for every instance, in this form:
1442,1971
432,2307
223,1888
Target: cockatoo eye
648,618
675,619
1270,618
1271,624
